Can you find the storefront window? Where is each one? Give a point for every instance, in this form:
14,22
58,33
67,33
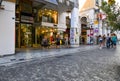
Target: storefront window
26,35
49,32
49,16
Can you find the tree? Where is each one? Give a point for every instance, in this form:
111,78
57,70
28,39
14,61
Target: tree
112,11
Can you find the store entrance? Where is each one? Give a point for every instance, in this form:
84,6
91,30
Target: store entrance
83,34
26,35
41,32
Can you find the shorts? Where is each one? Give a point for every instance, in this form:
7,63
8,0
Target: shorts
114,42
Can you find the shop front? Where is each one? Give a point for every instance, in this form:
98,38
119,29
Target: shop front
41,32
84,32
45,26
24,24
34,21
26,35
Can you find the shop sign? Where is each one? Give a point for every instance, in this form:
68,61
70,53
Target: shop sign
27,19
49,24
95,22
28,32
96,30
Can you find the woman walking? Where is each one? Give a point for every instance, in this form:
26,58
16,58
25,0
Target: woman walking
114,40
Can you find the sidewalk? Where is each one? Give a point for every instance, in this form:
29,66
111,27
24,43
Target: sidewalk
32,54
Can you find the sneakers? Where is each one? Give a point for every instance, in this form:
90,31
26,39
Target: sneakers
100,47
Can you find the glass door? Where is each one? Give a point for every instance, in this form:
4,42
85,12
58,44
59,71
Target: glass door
26,35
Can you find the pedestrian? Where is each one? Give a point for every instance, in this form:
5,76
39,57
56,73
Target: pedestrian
111,42
66,41
83,40
104,40
100,40
45,42
91,40
114,40
108,40
58,41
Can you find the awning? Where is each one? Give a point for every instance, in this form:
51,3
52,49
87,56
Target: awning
52,1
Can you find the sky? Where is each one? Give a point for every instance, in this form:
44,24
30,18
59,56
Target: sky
118,1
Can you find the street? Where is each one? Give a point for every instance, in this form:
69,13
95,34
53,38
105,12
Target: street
88,65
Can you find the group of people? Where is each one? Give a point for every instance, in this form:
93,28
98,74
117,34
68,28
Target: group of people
108,41
57,41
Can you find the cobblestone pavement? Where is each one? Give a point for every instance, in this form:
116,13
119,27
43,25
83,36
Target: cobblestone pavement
23,55
88,65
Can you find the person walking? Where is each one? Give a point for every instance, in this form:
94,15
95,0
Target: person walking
91,40
58,41
45,42
66,41
100,40
104,40
108,40
114,40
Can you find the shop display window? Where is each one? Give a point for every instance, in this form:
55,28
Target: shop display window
49,16
41,32
26,35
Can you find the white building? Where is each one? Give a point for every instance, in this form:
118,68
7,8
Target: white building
7,27
93,25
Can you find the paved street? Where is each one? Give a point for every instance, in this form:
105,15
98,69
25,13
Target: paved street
80,65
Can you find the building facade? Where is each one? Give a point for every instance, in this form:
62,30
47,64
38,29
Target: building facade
29,21
7,27
91,20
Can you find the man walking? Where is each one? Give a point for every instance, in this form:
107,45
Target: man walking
108,40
